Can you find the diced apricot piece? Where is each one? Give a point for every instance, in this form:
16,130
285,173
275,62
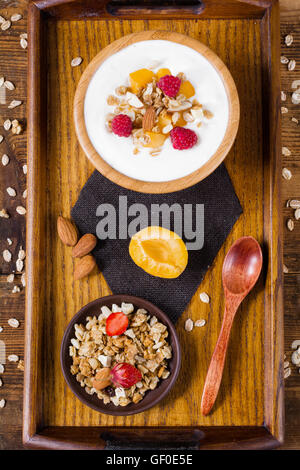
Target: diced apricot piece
156,139
162,72
159,252
139,79
186,89
166,119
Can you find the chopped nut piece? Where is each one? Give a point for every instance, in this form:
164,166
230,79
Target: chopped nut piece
11,192
4,214
19,265
10,278
20,364
21,210
286,152
9,85
14,103
283,96
284,60
23,43
284,110
287,372
16,17
297,214
291,65
7,124
1,138
200,323
285,269
294,204
16,289
5,25
295,120
5,159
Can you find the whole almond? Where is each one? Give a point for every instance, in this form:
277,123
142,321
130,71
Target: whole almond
149,119
84,246
84,266
67,231
102,379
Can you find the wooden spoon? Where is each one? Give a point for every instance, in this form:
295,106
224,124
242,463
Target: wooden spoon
241,269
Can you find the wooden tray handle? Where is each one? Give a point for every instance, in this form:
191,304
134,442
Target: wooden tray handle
134,7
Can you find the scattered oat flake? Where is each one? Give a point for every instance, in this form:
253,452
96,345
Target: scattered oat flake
7,124
189,325
16,17
294,203
21,210
284,60
284,110
291,65
1,81
16,289
9,85
287,174
13,322
21,254
76,61
1,368
288,40
23,43
23,279
5,25
6,256
297,214
1,383
295,120
23,35
285,269
11,191
200,322
5,159
24,194
10,278
14,104
13,358
283,96
290,224
2,19
1,329
1,138
19,265
4,214
2,403
286,364
287,372
286,152
21,364
204,297
25,169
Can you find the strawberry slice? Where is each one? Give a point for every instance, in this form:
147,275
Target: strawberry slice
125,375
116,324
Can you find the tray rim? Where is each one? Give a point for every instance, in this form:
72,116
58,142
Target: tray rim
270,435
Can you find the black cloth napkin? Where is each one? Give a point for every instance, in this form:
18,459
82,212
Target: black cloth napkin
221,210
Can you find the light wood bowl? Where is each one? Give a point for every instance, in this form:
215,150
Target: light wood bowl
166,186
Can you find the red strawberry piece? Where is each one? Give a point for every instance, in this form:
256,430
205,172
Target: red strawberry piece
121,125
183,138
116,324
125,375
169,85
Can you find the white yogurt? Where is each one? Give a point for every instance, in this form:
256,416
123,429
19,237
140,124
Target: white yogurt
170,164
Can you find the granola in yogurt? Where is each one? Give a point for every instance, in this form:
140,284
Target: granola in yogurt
121,354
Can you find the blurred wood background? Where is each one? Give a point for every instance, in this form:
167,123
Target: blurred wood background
13,65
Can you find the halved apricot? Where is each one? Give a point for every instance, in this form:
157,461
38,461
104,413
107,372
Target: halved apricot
139,79
186,89
159,252
162,73
164,119
156,139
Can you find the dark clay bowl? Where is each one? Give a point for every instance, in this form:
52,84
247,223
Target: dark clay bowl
152,397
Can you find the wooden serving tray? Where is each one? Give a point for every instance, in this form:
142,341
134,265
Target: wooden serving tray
249,409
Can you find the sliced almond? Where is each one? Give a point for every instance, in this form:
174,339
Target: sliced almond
149,119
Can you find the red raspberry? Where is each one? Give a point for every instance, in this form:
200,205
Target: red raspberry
121,125
183,138
169,85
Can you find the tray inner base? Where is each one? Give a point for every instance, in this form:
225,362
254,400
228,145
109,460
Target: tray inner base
241,397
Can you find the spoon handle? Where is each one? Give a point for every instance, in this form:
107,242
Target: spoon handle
216,366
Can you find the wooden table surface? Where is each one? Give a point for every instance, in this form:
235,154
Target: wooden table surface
13,63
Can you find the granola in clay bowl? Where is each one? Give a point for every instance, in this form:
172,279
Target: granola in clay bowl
119,357
156,111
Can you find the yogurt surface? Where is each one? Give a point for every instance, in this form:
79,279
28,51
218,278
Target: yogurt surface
170,164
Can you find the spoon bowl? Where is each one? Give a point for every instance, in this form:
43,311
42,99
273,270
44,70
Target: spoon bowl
241,269
242,266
